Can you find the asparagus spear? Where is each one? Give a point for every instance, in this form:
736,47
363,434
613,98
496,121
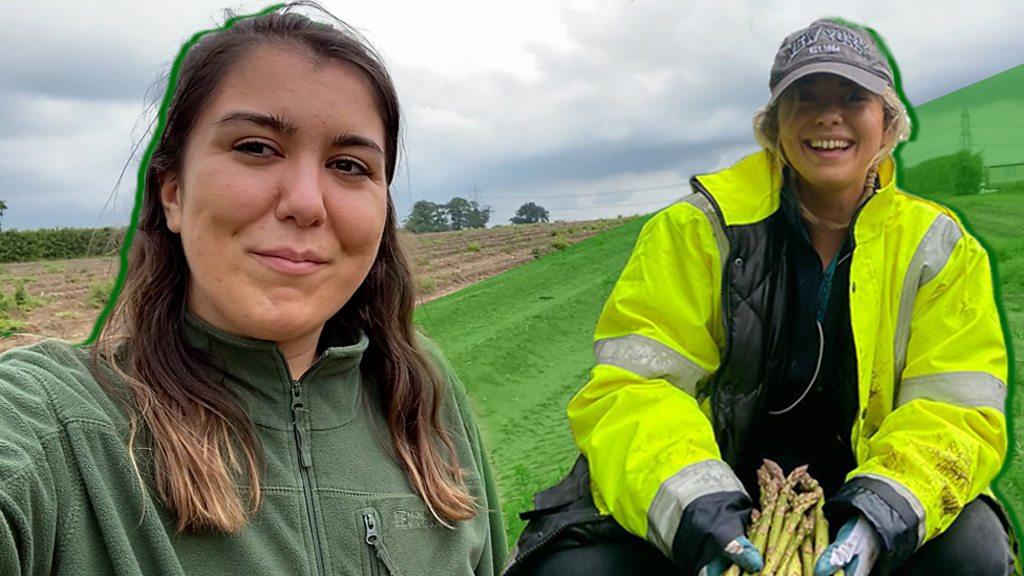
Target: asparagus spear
794,567
770,488
820,529
782,507
807,556
797,526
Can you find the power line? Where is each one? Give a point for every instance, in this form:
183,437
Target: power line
999,126
664,202
607,193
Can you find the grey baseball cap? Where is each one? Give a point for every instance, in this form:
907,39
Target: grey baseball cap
828,46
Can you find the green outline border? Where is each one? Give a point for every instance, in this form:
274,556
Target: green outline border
1011,377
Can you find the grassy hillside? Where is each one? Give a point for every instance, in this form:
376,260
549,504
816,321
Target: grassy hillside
522,344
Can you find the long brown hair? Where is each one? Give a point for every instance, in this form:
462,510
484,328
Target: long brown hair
203,441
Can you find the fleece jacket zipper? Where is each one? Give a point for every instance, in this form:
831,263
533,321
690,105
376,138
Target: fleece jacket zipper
300,423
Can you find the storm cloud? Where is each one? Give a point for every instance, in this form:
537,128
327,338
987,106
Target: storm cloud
592,108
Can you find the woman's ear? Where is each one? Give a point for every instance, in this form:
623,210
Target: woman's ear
170,197
889,135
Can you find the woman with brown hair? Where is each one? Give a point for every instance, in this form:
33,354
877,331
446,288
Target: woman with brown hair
258,401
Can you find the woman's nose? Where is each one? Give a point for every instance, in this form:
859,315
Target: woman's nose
829,114
301,197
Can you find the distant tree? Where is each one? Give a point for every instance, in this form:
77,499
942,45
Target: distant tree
478,216
957,173
969,172
530,213
427,216
463,214
458,213
3,207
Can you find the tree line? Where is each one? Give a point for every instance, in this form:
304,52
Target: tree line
959,173
58,243
426,216
461,214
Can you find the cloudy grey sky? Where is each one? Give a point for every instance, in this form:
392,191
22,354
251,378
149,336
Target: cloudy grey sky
591,108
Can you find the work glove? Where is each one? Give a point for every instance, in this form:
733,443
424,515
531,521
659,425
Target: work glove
740,552
855,550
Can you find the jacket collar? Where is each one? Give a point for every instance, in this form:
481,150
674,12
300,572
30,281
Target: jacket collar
871,221
749,191
257,374
746,192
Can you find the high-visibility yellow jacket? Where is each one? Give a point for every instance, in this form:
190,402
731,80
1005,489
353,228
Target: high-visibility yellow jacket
930,433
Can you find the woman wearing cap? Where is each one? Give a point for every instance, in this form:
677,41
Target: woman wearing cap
260,403
797,306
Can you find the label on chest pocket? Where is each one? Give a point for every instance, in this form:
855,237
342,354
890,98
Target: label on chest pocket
410,519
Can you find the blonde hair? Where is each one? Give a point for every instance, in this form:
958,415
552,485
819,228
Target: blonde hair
897,128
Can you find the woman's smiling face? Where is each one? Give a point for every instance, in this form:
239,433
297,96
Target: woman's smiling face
282,196
830,130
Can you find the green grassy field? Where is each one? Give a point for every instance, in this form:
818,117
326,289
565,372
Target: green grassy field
522,344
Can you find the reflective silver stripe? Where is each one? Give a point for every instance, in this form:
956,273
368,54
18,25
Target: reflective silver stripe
702,203
649,358
676,493
931,256
968,389
907,495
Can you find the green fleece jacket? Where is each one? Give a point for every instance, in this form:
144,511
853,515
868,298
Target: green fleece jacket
335,499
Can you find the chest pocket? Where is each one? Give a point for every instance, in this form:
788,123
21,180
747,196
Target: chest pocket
377,559
396,535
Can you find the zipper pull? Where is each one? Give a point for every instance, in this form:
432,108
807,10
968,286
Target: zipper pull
299,414
304,456
371,528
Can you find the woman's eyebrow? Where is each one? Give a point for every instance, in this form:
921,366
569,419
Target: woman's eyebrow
272,121
280,124
346,140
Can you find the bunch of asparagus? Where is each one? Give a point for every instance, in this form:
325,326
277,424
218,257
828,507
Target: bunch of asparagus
790,529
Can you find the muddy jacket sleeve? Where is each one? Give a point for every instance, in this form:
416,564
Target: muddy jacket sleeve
651,447
946,436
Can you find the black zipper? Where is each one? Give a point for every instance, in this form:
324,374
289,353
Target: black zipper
521,559
370,523
727,258
726,277
378,553
300,424
726,318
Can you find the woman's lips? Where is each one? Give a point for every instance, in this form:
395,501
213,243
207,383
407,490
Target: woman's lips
828,153
289,266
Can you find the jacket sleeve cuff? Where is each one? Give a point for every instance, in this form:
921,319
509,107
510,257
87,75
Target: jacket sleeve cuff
894,512
707,525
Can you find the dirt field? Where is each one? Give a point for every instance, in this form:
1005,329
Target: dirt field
64,297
